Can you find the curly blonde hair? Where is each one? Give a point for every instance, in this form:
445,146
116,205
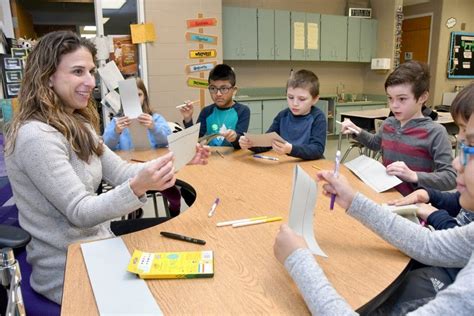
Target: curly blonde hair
38,101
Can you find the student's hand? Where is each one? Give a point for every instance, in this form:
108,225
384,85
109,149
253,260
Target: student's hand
425,210
158,175
337,185
146,120
282,148
121,123
401,170
202,155
418,196
286,242
230,135
187,111
347,127
245,143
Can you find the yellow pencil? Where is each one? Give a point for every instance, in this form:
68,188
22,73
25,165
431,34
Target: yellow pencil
260,221
228,223
316,167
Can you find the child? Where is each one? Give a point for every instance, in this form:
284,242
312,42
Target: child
449,248
302,125
117,135
224,117
414,148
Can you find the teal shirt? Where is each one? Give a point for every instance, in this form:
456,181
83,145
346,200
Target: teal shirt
219,119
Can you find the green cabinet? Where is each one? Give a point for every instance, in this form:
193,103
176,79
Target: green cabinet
361,39
305,38
333,38
270,110
239,34
273,34
255,126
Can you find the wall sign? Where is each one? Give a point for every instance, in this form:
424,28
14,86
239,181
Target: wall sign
202,53
461,63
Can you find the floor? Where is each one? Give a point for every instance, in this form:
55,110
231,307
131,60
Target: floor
330,153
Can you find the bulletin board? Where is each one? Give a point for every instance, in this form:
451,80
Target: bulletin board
461,61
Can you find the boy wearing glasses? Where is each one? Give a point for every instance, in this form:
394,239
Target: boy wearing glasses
414,148
225,117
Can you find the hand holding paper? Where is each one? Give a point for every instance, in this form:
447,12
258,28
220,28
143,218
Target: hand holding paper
263,140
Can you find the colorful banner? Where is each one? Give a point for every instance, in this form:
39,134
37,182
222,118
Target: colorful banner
201,22
202,53
200,67
197,83
201,38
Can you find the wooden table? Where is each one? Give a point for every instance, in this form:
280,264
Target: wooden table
248,279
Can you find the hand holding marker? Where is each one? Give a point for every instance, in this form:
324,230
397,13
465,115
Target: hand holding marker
336,174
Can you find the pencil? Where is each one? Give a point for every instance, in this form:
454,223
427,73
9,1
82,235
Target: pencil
219,153
137,160
259,221
316,167
184,104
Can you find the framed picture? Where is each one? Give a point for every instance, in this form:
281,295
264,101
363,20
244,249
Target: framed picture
13,76
12,63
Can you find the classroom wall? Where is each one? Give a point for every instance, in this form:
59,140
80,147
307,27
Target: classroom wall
440,38
167,57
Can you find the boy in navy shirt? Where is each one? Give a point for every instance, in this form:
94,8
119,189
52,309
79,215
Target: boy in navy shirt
302,125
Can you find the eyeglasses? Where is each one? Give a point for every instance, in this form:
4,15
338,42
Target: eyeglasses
222,90
466,153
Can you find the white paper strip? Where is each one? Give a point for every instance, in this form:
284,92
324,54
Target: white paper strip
183,145
129,96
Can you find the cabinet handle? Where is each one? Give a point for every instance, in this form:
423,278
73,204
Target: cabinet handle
277,50
243,51
272,52
237,51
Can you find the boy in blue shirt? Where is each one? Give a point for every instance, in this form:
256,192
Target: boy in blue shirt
302,125
225,117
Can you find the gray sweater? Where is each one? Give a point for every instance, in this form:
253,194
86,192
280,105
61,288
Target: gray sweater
446,248
55,194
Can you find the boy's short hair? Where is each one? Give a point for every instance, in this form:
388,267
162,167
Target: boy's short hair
463,104
222,72
304,79
412,72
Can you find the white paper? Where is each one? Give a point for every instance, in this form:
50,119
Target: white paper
111,75
183,145
116,291
129,96
373,173
303,201
407,211
139,135
112,99
264,140
102,45
313,33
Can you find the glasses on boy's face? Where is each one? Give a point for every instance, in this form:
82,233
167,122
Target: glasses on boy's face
222,90
466,153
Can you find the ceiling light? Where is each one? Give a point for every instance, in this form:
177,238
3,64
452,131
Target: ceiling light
90,28
88,35
112,4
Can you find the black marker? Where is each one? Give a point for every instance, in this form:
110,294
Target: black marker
183,238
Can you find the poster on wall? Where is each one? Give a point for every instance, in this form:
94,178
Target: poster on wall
125,55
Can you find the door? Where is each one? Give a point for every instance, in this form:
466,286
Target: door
416,39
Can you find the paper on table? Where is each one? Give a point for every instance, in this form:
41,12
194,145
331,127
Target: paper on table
264,140
373,173
407,211
116,291
113,100
139,135
130,100
183,145
303,201
111,75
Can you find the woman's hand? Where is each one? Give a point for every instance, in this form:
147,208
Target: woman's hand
282,148
187,111
146,120
337,185
245,143
418,196
158,175
230,135
202,155
121,123
401,170
286,242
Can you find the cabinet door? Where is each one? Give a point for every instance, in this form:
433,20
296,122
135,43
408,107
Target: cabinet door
255,125
248,33
298,36
312,42
368,39
333,38
282,35
270,110
323,106
353,39
347,108
374,107
231,33
266,34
